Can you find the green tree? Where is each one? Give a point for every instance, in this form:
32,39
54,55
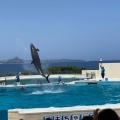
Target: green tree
65,70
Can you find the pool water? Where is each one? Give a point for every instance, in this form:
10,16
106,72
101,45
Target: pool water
50,95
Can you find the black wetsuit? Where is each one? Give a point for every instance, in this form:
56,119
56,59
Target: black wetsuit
17,78
102,72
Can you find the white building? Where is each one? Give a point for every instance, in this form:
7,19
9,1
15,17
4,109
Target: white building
112,71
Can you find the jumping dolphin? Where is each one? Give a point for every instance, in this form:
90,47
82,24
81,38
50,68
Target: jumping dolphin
36,61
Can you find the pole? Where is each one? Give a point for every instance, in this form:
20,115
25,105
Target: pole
101,62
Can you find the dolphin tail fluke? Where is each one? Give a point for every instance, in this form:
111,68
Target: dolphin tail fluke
32,62
47,78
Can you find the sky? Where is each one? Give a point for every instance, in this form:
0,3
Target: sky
60,29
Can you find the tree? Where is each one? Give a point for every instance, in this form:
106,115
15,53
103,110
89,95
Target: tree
65,70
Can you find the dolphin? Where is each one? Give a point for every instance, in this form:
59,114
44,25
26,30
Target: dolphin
36,61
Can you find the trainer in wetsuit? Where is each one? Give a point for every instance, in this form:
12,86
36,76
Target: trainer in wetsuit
59,79
102,71
17,78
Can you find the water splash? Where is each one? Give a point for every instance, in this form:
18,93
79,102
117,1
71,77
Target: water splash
23,50
48,89
46,92
20,47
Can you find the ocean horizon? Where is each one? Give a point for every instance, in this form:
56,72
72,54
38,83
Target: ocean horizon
12,68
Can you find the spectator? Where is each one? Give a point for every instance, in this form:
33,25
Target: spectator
105,114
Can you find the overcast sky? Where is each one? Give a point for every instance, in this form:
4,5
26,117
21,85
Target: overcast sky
60,29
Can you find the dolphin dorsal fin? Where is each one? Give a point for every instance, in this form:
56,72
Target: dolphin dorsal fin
32,62
37,49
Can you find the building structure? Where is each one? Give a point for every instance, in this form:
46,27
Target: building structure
112,71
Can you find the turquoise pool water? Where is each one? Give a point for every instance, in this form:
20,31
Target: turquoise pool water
44,96
41,80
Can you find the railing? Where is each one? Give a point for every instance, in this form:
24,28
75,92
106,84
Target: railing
91,75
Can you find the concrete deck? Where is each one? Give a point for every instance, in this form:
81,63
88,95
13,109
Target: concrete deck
54,113
39,76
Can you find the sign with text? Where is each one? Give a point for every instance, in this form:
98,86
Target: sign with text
67,116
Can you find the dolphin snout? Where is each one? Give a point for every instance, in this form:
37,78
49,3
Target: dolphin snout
31,44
